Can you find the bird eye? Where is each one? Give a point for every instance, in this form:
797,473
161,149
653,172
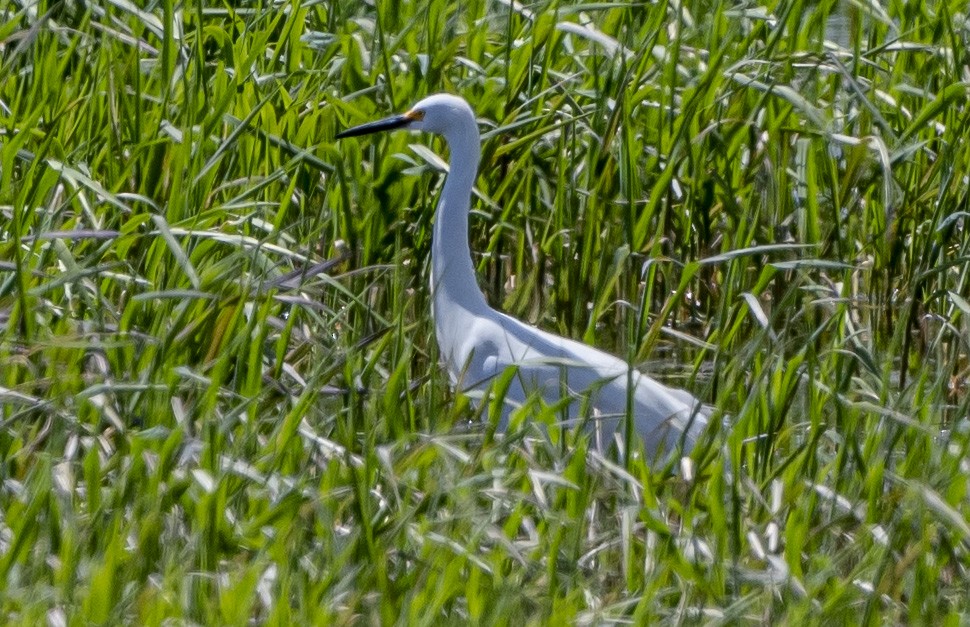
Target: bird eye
415,115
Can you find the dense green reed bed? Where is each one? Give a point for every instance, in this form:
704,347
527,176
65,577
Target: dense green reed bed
219,393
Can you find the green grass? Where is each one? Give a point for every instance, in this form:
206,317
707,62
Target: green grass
764,204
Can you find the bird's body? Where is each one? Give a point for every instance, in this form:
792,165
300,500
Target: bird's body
478,343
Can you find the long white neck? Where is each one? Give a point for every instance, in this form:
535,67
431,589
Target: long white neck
454,287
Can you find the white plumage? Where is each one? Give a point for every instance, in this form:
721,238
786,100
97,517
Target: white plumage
479,343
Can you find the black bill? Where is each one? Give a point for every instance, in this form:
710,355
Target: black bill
387,124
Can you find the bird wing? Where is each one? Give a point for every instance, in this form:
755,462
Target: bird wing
555,366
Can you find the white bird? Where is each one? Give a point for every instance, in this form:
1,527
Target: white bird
479,343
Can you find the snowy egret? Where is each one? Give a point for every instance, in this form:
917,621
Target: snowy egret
479,343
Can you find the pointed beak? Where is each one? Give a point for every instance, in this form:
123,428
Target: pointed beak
387,124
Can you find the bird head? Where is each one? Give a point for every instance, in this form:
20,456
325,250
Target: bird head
435,114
